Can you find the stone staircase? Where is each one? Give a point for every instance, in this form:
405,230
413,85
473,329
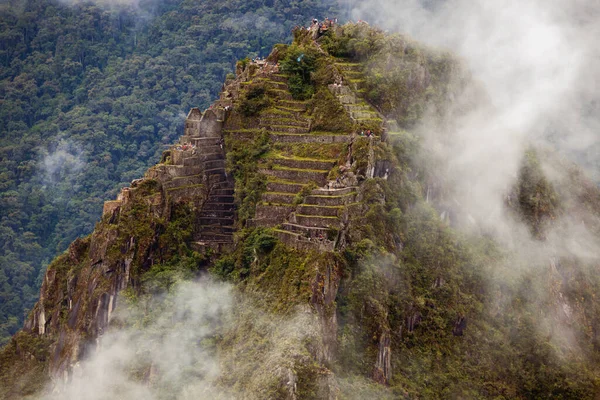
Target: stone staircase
216,220
353,83
303,217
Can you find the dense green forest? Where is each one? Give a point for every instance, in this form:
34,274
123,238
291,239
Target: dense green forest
90,96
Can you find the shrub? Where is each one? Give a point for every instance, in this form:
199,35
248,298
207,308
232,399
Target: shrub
254,101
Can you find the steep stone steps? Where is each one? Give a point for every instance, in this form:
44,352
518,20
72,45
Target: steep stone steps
218,229
211,220
218,206
214,238
220,199
216,214
317,221
320,211
298,175
222,192
214,164
308,138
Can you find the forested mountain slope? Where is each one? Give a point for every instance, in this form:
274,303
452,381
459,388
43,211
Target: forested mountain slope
90,97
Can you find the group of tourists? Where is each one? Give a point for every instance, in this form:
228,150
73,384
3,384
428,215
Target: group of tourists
368,133
185,147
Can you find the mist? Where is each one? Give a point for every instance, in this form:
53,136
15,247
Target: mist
59,166
193,342
536,62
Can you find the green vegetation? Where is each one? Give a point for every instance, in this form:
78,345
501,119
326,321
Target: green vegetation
402,78
538,203
328,114
254,101
242,161
299,63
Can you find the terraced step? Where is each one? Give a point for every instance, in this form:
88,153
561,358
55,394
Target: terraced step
340,90
183,181
348,66
307,231
292,105
334,192
279,78
271,215
281,94
285,187
308,138
377,120
356,107
278,197
364,115
331,201
278,120
303,163
318,210
347,99
353,73
272,83
317,221
287,129
298,175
